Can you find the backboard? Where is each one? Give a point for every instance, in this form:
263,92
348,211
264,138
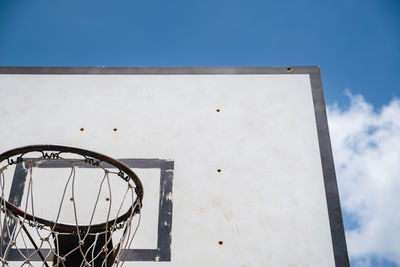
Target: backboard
235,162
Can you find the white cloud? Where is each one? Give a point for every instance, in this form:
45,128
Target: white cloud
366,147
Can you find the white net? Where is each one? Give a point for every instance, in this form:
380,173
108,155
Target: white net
70,211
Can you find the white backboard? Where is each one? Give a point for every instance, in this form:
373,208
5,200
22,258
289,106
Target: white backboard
236,162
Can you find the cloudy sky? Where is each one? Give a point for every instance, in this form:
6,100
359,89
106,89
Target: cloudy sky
366,145
356,44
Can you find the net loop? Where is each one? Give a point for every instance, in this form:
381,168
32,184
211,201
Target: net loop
29,236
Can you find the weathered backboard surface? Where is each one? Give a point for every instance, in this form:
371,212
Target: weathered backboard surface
236,162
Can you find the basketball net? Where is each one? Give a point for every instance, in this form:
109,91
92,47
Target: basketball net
99,241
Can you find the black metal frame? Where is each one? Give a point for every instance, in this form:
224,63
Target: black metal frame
91,158
331,189
160,253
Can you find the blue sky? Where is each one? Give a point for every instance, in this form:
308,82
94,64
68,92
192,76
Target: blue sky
356,44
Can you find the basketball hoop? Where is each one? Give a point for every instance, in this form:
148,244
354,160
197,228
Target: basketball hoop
70,240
